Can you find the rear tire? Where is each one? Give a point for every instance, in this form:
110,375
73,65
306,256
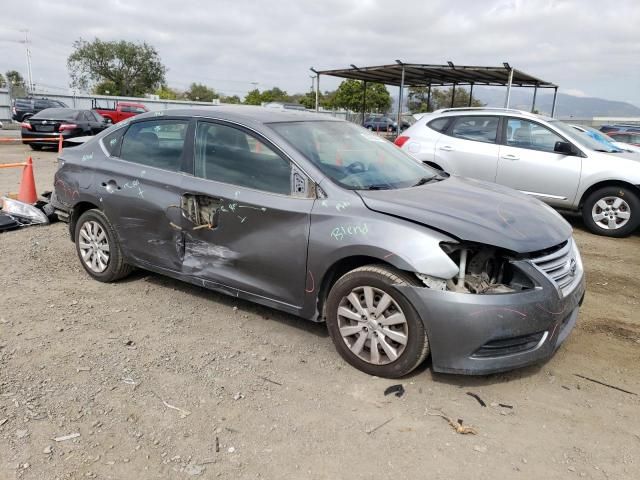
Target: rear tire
612,211
37,148
365,312
98,247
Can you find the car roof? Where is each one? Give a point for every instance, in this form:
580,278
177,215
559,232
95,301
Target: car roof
242,114
487,111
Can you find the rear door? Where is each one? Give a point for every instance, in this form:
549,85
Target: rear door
247,226
469,148
140,189
528,163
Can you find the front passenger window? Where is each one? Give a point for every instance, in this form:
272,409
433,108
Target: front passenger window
526,134
229,155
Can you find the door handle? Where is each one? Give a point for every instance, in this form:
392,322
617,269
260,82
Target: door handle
510,156
110,186
447,148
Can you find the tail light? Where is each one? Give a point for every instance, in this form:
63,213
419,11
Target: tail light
67,126
26,125
401,140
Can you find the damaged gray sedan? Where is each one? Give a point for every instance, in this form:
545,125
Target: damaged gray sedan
322,219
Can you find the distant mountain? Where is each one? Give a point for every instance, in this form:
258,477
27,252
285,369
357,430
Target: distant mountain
567,105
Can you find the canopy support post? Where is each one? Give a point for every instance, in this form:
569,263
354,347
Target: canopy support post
364,99
507,98
555,99
471,94
535,94
399,127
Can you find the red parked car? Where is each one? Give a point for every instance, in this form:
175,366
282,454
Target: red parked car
117,111
626,137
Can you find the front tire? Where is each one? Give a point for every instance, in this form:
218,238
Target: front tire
373,326
612,211
98,247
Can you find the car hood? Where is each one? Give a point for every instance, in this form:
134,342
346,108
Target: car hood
476,212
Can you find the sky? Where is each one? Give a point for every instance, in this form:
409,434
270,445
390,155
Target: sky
588,47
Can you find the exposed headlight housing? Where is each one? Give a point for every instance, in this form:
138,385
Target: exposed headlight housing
482,270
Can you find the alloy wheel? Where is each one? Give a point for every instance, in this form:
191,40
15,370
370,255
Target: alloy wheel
611,213
94,246
373,325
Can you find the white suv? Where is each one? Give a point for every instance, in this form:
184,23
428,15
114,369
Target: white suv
539,156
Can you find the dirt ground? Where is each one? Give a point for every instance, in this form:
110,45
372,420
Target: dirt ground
153,378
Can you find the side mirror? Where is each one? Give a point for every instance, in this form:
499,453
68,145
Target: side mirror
564,147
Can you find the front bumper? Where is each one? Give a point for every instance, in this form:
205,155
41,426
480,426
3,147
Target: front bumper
481,334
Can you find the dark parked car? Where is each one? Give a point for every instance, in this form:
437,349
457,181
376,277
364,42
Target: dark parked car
620,128
26,107
322,219
383,124
53,122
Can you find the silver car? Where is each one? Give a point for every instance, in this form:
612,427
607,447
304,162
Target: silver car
539,156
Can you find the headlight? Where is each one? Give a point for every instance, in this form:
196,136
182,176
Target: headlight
482,270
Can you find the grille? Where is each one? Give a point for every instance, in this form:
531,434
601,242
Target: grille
509,346
561,265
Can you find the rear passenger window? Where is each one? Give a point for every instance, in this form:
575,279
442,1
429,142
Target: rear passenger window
439,124
155,143
113,141
477,128
227,154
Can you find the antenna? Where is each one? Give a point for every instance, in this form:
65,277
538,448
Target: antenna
29,72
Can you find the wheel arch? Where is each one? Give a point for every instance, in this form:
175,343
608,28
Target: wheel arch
78,209
341,267
607,183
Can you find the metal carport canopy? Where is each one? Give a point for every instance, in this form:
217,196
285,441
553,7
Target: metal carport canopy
425,75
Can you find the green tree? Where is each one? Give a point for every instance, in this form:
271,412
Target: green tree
350,95
3,82
105,88
440,98
16,83
201,93
231,99
274,95
252,97
166,93
133,68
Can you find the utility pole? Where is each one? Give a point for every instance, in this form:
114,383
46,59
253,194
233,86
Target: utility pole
29,72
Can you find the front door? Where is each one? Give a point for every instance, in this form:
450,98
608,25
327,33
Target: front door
245,228
140,189
528,163
468,147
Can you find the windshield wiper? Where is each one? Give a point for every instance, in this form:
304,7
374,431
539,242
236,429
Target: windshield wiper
378,187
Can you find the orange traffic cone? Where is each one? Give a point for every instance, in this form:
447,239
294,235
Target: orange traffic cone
60,144
27,192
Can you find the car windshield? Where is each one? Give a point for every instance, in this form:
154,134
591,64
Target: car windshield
600,137
353,157
583,138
